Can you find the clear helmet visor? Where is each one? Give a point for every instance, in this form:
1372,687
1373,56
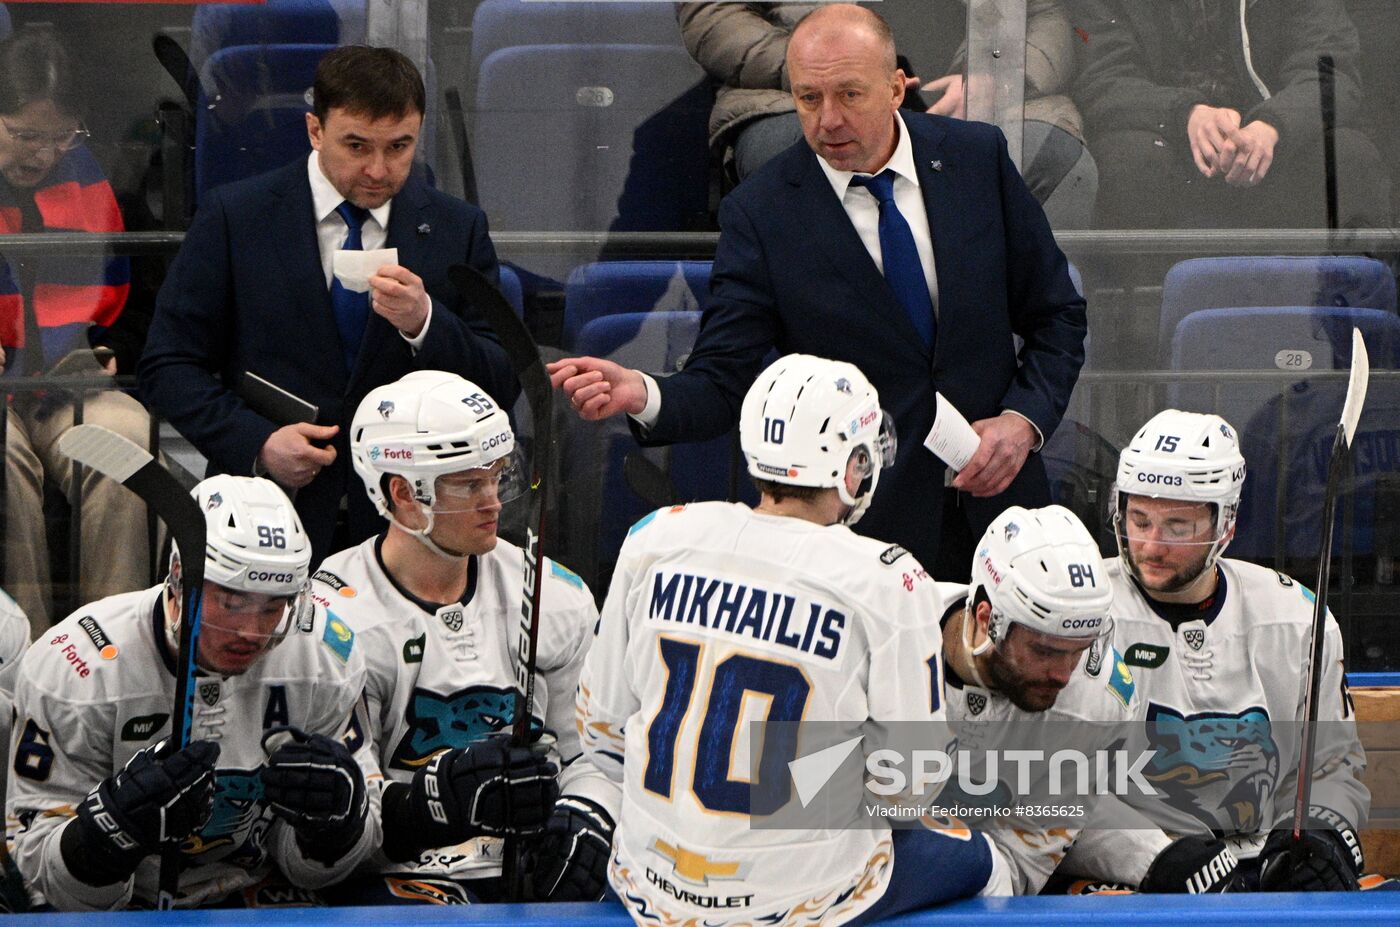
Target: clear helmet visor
1170,535
251,615
482,488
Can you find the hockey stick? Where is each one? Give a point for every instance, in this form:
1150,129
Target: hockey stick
125,462
1337,466
524,356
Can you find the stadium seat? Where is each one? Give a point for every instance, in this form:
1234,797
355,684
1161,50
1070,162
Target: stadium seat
5,27
601,505
512,290
1287,423
499,24
1217,283
252,110
611,287
592,138
215,26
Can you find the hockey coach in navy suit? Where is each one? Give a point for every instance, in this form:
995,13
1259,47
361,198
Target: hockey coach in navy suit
252,290
907,244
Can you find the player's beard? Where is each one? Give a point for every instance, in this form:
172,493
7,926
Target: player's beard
1025,694
1182,577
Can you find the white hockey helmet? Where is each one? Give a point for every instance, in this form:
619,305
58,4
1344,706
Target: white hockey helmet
1041,568
1186,456
424,425
254,543
806,417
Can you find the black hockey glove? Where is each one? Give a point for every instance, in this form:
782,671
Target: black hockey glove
1193,865
313,783
1326,859
489,787
569,861
160,797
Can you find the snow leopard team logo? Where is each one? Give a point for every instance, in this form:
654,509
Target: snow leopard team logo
386,409
1220,767
1195,637
437,723
236,809
976,702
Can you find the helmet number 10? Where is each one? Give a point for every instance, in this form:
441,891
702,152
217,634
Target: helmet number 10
773,429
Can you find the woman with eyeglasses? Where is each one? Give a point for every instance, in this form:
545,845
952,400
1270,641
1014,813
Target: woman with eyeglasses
57,311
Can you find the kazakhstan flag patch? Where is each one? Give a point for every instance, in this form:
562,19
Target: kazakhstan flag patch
338,637
1120,681
567,575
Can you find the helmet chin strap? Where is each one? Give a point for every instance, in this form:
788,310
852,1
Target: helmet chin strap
969,626
424,536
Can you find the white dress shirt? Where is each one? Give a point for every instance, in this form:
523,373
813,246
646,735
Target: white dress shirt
331,230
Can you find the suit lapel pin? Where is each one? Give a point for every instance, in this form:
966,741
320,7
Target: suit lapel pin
424,229
936,164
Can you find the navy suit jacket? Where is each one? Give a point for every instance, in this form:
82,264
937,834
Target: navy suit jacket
247,293
790,272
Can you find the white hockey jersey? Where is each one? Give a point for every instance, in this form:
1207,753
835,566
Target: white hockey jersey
14,641
1092,713
444,677
1222,703
98,688
719,616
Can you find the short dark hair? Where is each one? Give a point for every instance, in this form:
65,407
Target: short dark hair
368,81
781,491
34,67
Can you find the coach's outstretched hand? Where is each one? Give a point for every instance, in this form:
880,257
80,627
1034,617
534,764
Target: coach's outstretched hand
597,388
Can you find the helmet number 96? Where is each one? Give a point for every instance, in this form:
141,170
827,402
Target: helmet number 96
269,536
1081,574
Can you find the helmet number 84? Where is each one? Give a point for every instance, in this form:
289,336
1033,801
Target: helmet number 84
1081,574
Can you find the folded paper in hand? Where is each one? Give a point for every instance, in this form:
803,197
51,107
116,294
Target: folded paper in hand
951,438
354,268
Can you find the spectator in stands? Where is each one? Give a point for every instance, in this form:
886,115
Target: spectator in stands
1208,114
252,290
905,243
61,314
743,45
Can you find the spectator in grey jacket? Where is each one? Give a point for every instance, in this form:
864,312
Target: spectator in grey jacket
1207,113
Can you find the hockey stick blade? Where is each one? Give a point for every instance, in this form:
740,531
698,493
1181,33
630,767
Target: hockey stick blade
126,462
1337,466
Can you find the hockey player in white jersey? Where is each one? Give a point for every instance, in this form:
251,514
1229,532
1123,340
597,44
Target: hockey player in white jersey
1029,667
719,614
436,600
277,776
1219,647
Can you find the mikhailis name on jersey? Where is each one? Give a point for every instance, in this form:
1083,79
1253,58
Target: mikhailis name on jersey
736,608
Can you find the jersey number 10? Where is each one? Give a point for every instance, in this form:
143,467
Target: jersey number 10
785,688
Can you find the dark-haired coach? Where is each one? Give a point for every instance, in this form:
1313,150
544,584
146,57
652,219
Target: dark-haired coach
252,290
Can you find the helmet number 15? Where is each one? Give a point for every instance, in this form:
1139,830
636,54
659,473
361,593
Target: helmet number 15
1166,443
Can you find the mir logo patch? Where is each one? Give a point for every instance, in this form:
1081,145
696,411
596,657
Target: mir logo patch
143,727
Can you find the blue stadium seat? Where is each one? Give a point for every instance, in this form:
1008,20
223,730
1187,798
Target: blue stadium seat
276,22
498,24
601,505
252,110
1217,283
610,287
1287,423
512,290
592,137
5,27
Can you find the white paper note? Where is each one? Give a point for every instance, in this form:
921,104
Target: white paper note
354,268
951,438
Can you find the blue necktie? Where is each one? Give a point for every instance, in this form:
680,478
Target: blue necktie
351,308
904,272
